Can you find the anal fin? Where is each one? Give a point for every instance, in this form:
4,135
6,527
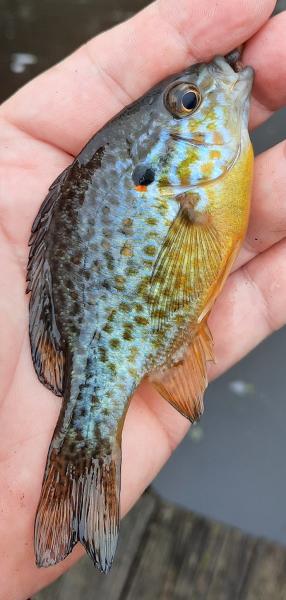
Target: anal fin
184,383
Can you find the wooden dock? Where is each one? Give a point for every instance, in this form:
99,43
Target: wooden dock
168,553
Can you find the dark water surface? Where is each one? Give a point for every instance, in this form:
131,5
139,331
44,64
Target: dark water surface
48,30
232,465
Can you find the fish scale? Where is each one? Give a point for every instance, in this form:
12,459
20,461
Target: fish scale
128,253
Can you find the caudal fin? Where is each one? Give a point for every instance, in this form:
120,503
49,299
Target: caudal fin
79,502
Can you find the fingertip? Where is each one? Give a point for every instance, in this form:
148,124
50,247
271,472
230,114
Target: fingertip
266,52
222,25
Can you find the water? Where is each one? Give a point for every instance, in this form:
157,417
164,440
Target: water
231,466
51,29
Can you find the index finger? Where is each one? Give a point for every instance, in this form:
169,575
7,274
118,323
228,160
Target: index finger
71,101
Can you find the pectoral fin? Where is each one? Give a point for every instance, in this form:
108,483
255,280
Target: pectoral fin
184,383
189,262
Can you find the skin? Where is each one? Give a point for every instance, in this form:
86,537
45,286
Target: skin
40,136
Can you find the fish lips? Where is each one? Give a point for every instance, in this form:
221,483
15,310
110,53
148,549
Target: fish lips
240,81
243,85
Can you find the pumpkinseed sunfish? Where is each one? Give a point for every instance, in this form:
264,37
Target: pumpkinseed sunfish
128,253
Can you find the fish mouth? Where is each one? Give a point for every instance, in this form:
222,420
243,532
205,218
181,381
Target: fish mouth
234,59
233,72
238,78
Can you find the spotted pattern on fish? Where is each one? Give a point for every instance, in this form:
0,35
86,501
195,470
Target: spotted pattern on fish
128,253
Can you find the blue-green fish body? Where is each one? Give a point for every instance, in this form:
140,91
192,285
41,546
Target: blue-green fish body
128,253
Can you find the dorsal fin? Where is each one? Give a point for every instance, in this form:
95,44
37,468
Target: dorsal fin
184,383
46,348
47,351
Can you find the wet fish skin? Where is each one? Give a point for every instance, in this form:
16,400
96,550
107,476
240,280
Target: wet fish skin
122,278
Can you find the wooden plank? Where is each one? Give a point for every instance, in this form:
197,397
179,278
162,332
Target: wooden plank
187,556
83,579
231,566
154,573
266,578
194,576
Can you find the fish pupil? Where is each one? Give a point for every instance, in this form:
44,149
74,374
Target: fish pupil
143,175
190,100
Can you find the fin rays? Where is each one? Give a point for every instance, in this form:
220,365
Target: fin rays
184,383
46,349
79,502
189,260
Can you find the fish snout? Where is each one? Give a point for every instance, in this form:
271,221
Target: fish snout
243,85
240,80
224,68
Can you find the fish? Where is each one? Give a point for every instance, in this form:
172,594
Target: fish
128,253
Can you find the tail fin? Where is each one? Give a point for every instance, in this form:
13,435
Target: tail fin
79,502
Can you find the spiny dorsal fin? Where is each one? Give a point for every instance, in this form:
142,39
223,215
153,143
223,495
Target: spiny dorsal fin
189,262
184,383
47,353
46,349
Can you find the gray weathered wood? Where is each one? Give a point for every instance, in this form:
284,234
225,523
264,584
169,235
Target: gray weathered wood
267,574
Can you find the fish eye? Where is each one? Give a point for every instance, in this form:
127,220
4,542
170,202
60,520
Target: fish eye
183,99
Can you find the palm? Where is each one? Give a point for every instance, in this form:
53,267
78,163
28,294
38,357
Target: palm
41,128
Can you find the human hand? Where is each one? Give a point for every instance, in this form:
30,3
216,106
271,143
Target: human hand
42,127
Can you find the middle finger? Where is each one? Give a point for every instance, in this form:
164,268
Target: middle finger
267,224
266,52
